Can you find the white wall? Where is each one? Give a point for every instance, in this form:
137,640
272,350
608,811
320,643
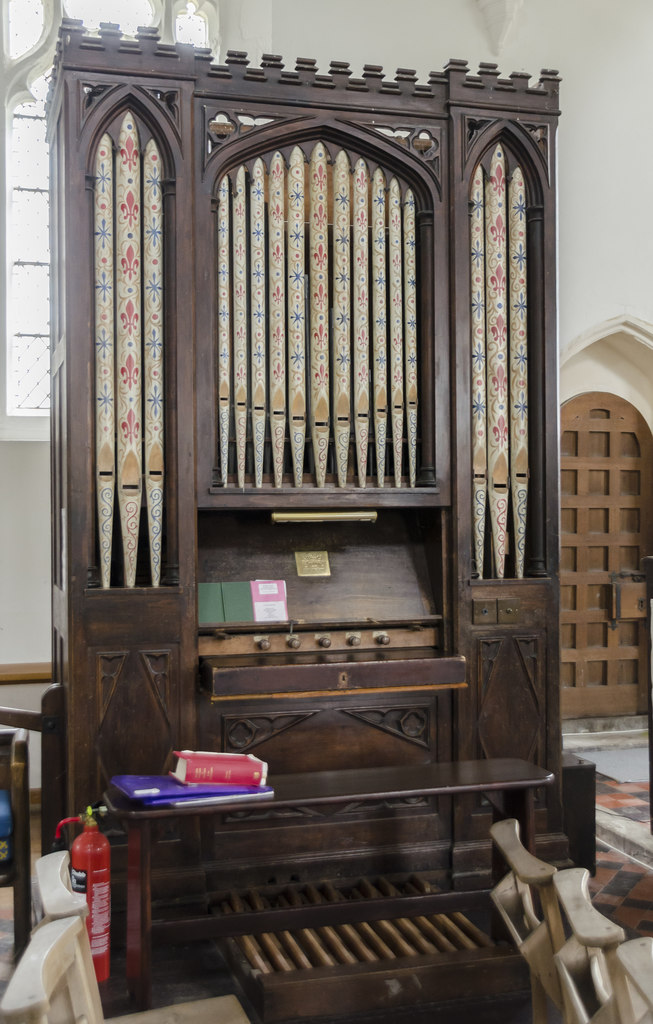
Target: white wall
25,573
24,552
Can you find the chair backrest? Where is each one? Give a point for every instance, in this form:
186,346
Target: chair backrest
54,889
591,979
636,959
54,981
529,882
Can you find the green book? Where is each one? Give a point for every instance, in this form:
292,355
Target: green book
237,599
210,603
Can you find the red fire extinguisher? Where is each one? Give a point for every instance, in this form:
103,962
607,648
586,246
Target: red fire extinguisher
90,863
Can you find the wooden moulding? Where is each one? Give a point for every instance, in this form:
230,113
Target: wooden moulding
380,673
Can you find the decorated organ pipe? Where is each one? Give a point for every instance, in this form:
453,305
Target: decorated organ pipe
277,306
129,351
518,365
319,306
361,341
499,359
105,426
153,404
341,314
296,313
317,330
129,363
379,320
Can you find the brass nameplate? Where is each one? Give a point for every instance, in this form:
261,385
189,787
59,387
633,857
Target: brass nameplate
312,563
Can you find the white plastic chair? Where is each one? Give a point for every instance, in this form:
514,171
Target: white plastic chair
591,978
636,960
537,938
54,892
54,981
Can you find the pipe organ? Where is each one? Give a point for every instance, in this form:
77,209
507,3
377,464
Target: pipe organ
303,336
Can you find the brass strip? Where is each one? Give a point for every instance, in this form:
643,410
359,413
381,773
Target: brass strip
324,517
420,688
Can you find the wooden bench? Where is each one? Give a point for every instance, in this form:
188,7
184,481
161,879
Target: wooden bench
508,783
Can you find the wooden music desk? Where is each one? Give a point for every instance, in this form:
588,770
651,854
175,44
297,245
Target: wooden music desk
508,783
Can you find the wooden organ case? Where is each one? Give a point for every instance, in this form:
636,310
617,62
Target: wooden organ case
304,331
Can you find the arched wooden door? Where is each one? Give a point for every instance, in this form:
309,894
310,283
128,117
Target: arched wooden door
606,529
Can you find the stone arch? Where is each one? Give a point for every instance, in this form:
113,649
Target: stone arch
614,356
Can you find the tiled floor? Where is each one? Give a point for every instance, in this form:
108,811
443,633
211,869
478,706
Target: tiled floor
622,889
628,799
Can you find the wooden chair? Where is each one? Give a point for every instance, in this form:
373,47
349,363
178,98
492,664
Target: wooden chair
537,938
14,778
54,983
591,978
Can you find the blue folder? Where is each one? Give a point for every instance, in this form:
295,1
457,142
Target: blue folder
164,790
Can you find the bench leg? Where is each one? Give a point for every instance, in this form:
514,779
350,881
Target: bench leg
139,914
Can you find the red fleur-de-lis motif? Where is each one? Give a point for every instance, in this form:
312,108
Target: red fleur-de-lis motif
500,431
240,375
320,336
130,262
498,330
277,372
130,427
319,217
130,372
129,209
322,376
497,179
362,299
129,154
129,318
361,220
320,256
498,230
498,279
500,383
277,253
320,297
319,178
276,296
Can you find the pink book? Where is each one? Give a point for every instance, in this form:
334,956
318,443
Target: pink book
269,600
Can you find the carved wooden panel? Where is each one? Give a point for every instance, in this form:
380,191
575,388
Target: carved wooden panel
134,729
511,671
339,732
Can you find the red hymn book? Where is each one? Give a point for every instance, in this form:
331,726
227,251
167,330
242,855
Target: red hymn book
213,766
